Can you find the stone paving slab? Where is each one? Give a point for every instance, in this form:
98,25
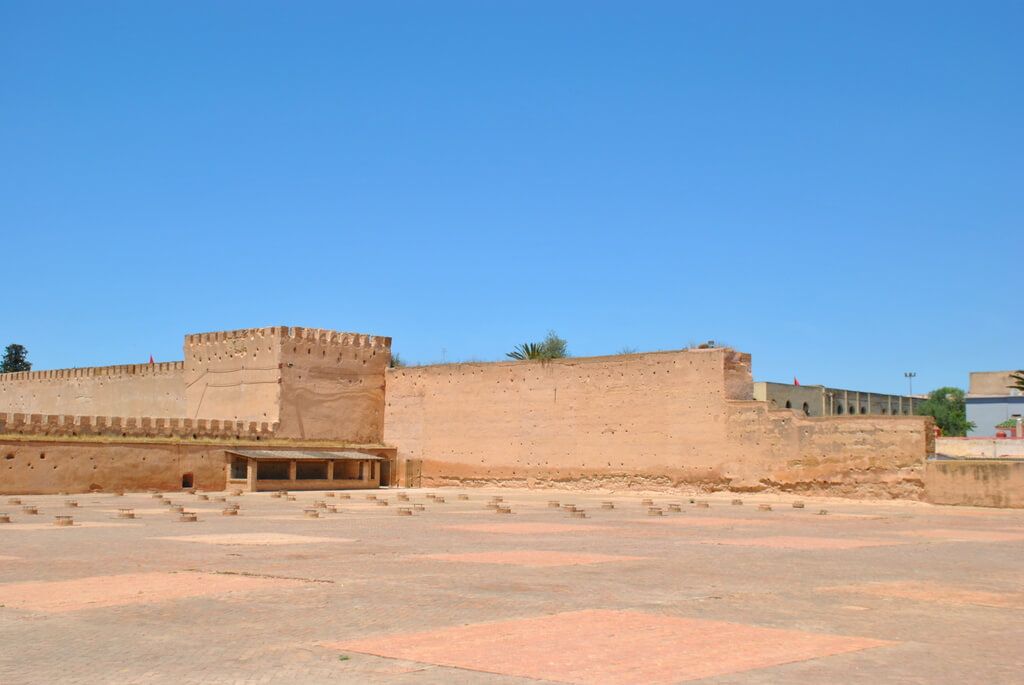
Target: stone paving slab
527,528
257,539
254,598
966,535
133,588
936,593
791,542
536,558
575,647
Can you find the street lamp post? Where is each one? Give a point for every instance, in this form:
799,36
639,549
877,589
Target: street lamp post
909,375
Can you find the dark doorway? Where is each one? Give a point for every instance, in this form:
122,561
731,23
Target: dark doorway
385,474
186,480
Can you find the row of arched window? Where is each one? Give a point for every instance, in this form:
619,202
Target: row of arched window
840,409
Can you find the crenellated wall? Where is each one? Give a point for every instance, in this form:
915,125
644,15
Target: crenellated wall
126,390
664,419
316,383
332,385
234,374
312,383
119,426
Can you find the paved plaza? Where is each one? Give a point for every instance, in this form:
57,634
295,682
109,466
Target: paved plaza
710,591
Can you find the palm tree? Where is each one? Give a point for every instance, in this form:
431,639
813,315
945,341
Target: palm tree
526,351
1018,380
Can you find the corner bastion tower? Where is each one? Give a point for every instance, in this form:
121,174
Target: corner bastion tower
312,383
258,408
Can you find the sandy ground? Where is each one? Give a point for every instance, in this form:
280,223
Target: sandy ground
869,592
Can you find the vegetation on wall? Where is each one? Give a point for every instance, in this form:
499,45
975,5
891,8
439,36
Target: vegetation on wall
948,408
396,361
1017,380
552,347
15,359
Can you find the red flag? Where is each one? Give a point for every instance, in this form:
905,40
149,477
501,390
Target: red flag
795,381
151,359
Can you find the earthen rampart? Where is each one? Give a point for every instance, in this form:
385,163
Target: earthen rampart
123,390
668,419
315,383
138,427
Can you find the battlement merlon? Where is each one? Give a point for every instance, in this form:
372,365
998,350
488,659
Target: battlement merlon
133,426
319,335
95,371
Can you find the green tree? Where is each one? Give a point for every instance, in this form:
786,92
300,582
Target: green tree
552,347
555,347
948,408
396,361
15,359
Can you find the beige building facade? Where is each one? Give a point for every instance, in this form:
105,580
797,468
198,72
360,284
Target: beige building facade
994,404
819,400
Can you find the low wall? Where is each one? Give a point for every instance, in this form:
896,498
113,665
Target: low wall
975,482
127,390
46,465
667,419
980,448
850,456
120,426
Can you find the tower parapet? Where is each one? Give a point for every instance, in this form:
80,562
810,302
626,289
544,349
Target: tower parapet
316,383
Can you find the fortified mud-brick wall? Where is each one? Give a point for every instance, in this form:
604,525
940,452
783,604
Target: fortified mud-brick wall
131,427
127,390
44,466
332,385
663,419
234,374
655,418
851,456
314,383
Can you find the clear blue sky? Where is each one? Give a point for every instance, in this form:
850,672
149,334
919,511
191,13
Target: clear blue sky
833,187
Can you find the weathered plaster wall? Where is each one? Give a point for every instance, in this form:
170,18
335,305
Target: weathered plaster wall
991,448
662,419
991,383
332,385
119,426
41,463
129,390
314,383
46,466
856,456
975,482
234,374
